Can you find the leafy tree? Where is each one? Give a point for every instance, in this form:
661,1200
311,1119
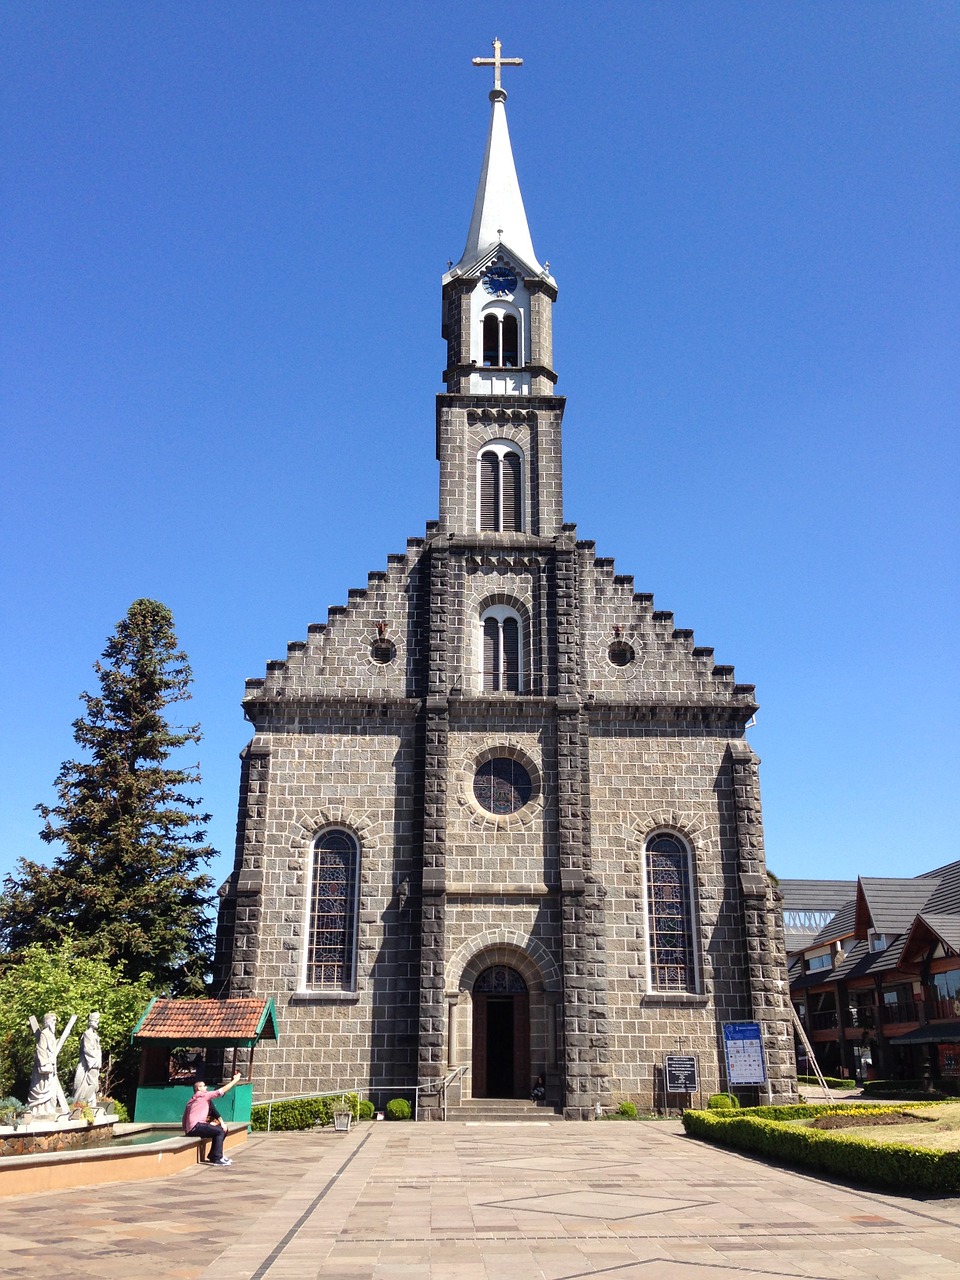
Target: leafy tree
66,981
129,884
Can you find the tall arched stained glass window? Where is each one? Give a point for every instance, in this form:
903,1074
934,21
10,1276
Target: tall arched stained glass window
333,911
669,915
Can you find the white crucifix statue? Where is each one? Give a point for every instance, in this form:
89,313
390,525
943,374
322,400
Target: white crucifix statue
497,62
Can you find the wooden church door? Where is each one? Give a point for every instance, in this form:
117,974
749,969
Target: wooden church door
501,1034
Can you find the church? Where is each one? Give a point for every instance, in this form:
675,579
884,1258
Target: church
498,819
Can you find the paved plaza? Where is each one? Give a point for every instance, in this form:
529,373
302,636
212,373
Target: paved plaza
481,1202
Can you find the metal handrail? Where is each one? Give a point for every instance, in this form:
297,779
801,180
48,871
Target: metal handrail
448,1080
301,1097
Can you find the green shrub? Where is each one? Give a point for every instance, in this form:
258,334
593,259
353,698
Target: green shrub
833,1082
366,1110
398,1109
11,1109
627,1109
723,1102
119,1110
893,1165
910,1089
302,1113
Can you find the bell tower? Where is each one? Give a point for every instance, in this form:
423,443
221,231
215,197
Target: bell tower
497,323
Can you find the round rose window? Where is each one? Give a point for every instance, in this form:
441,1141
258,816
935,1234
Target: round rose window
502,786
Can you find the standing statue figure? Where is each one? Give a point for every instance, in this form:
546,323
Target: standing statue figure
86,1080
45,1093
43,1081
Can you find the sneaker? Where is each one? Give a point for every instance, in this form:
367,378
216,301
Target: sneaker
223,1161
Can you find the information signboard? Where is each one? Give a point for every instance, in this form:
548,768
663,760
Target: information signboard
744,1049
680,1071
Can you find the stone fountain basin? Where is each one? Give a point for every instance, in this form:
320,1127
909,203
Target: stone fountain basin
39,1136
167,1152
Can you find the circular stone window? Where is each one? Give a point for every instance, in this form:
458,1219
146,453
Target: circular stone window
383,651
502,786
620,653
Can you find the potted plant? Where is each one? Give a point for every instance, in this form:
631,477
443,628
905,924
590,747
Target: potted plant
342,1116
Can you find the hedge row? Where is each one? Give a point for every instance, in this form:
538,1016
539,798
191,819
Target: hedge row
892,1165
808,1110
303,1113
833,1082
910,1089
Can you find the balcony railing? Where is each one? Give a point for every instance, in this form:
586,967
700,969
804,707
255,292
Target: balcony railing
824,1021
864,1016
905,1011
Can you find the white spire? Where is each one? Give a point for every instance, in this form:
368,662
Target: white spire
498,213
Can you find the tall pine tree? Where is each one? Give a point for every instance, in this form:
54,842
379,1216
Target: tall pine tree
129,884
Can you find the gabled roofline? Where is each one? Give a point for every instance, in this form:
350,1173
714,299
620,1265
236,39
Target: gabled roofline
477,268
922,928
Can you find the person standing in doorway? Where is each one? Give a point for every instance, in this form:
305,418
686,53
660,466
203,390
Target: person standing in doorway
196,1118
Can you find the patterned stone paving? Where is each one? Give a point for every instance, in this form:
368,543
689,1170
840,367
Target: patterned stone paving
456,1202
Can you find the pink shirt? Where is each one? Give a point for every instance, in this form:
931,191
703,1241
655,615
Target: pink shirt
198,1108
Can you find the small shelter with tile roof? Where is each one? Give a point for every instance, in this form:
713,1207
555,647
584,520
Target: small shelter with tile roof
183,1040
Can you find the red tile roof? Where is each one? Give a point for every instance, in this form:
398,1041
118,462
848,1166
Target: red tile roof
197,1022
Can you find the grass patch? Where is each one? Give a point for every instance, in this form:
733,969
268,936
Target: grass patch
936,1128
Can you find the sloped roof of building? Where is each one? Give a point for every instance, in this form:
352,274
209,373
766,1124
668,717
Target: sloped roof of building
221,1023
945,898
809,906
931,1033
841,926
930,927
816,895
888,904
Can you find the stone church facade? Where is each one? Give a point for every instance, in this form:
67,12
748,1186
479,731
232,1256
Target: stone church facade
498,818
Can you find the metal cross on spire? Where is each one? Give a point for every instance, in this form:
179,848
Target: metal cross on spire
497,62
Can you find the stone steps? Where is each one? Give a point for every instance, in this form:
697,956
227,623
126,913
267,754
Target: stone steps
500,1110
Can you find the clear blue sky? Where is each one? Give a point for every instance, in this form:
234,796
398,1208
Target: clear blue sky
225,226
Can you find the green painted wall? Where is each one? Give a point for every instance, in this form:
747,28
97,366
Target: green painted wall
165,1103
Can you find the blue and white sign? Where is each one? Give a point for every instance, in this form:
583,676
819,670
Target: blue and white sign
743,1046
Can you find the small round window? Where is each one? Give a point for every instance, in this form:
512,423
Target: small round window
620,653
502,786
383,651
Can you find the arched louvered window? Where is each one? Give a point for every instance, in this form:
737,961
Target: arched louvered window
669,915
502,651
510,343
491,340
332,928
500,488
501,341
489,490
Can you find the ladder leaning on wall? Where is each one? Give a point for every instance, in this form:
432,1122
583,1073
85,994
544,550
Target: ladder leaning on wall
811,1056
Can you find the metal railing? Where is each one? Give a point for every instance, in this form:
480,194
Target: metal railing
905,1011
447,1082
302,1097
824,1020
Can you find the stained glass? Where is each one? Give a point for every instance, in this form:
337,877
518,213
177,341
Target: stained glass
499,980
669,915
332,911
502,786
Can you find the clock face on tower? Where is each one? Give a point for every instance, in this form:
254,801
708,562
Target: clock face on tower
500,281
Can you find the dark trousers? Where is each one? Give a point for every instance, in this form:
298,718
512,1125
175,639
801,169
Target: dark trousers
214,1133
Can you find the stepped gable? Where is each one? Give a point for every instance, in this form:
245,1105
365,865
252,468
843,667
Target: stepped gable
633,652
367,648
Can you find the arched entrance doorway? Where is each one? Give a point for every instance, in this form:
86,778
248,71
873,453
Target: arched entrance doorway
501,1034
